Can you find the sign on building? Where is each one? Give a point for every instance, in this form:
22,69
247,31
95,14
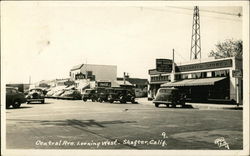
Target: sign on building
205,65
103,84
164,65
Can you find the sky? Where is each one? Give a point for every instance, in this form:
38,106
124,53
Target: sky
44,41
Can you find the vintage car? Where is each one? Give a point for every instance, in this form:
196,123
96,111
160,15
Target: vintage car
35,95
58,93
103,95
89,94
14,98
71,94
122,95
169,96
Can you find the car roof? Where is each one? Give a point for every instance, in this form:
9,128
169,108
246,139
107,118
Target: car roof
11,88
170,88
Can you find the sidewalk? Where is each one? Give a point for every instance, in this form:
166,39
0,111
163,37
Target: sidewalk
201,106
215,106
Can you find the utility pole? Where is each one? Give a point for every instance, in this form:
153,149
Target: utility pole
196,37
86,69
173,70
124,77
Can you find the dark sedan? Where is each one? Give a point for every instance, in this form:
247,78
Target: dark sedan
14,98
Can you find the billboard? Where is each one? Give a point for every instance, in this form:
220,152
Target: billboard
164,65
103,84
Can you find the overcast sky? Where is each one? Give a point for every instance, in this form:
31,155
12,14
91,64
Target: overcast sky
44,41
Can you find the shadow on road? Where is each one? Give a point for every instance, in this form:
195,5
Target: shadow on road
83,123
118,103
179,107
35,103
235,108
74,122
21,107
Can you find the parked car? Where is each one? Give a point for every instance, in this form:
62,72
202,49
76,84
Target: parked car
71,94
121,95
103,96
35,95
89,94
14,98
58,93
169,96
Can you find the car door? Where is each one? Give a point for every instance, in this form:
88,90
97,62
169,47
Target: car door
9,96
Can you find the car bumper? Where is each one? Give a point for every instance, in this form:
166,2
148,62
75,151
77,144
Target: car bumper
162,102
31,100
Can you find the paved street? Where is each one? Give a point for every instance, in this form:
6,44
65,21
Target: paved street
65,124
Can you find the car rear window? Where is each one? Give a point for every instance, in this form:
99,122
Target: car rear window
88,91
165,91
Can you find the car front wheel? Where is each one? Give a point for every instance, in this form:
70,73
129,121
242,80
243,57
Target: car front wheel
84,99
16,104
156,105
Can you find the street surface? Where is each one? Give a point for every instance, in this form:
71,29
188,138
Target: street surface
65,124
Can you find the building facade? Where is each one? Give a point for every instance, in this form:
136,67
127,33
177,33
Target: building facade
85,75
202,80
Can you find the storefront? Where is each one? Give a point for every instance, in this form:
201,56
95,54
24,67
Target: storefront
203,80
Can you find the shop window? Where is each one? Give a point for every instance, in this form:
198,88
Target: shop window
184,76
196,75
220,73
203,74
177,77
213,73
209,74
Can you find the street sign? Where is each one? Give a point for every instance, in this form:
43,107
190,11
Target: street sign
237,73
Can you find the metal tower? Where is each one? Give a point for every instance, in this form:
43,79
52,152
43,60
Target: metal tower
196,37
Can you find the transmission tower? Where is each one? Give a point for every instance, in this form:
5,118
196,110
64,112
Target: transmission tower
196,37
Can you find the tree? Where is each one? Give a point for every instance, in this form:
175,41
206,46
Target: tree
228,48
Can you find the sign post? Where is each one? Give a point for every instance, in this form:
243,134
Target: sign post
237,74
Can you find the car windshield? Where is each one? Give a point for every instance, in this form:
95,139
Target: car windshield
35,90
109,91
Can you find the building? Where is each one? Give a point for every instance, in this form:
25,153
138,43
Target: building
140,85
202,80
85,75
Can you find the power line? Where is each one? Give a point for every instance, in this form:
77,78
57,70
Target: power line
211,11
214,12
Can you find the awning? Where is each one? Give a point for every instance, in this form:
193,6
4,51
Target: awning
121,83
83,86
159,82
194,82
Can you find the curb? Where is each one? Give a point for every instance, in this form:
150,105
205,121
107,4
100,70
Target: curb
215,106
202,106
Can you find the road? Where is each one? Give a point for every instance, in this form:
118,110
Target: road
65,124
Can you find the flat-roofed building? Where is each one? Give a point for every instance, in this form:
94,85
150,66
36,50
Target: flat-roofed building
85,75
202,80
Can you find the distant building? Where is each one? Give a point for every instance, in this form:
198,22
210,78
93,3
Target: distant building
202,80
140,85
85,75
